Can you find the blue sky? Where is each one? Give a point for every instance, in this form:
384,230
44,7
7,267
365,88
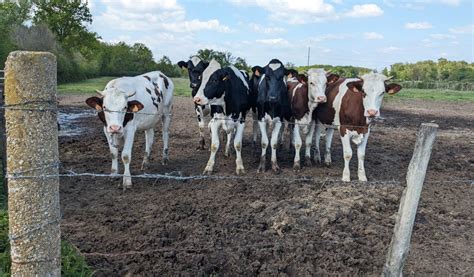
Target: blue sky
368,33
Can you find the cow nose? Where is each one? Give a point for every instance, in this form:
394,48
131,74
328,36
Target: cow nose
321,99
196,99
115,129
372,112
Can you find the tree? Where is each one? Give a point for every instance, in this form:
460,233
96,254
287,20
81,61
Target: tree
67,20
241,64
224,58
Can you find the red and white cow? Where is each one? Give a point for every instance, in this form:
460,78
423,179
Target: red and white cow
131,104
305,96
352,104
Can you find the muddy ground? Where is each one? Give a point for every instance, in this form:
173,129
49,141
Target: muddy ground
264,226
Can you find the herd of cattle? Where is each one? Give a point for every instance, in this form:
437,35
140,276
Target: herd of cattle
276,96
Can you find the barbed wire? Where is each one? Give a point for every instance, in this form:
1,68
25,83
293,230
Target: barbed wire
178,176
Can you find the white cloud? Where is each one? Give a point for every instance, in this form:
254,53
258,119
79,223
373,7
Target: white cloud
418,25
373,35
442,36
293,12
365,10
468,29
389,49
326,37
274,42
152,15
266,30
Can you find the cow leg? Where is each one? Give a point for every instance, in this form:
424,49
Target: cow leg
255,130
126,157
149,137
347,150
113,151
214,124
317,139
327,154
166,118
308,141
238,148
202,127
361,158
263,131
229,130
274,142
297,143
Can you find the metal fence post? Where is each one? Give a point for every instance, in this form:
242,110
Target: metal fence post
32,150
400,243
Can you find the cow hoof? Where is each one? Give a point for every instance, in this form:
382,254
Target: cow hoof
327,164
346,179
276,169
296,167
261,167
207,172
362,179
165,161
144,166
227,155
240,171
308,162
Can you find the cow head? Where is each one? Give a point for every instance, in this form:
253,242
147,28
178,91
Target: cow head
317,82
114,108
195,67
274,80
373,86
211,84
257,71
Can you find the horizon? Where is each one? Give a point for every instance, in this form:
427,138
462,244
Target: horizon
365,34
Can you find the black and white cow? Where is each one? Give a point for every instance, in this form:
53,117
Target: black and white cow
195,67
257,72
273,107
131,104
226,90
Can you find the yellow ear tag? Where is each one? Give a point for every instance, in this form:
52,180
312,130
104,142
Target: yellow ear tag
98,107
134,109
225,78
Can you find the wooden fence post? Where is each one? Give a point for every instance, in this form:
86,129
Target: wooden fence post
400,243
32,150
3,138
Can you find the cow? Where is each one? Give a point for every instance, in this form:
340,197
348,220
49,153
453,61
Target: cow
304,99
257,72
273,107
226,90
131,104
195,67
352,105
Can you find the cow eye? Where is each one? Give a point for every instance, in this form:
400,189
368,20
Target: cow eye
312,83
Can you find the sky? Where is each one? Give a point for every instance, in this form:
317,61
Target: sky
366,33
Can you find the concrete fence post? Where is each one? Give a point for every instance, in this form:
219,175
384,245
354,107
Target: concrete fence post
400,243
32,151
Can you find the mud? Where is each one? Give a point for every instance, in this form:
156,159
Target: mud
257,226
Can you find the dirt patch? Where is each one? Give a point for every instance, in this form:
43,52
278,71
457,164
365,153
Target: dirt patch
267,226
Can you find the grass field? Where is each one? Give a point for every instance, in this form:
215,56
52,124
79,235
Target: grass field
182,89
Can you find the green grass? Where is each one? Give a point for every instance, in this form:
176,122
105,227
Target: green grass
181,86
84,87
434,94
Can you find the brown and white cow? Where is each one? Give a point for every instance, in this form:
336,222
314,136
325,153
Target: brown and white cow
352,105
305,95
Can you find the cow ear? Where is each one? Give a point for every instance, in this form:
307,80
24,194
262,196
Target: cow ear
332,78
134,106
392,88
94,102
355,86
183,65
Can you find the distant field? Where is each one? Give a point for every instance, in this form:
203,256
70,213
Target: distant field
182,89
181,86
